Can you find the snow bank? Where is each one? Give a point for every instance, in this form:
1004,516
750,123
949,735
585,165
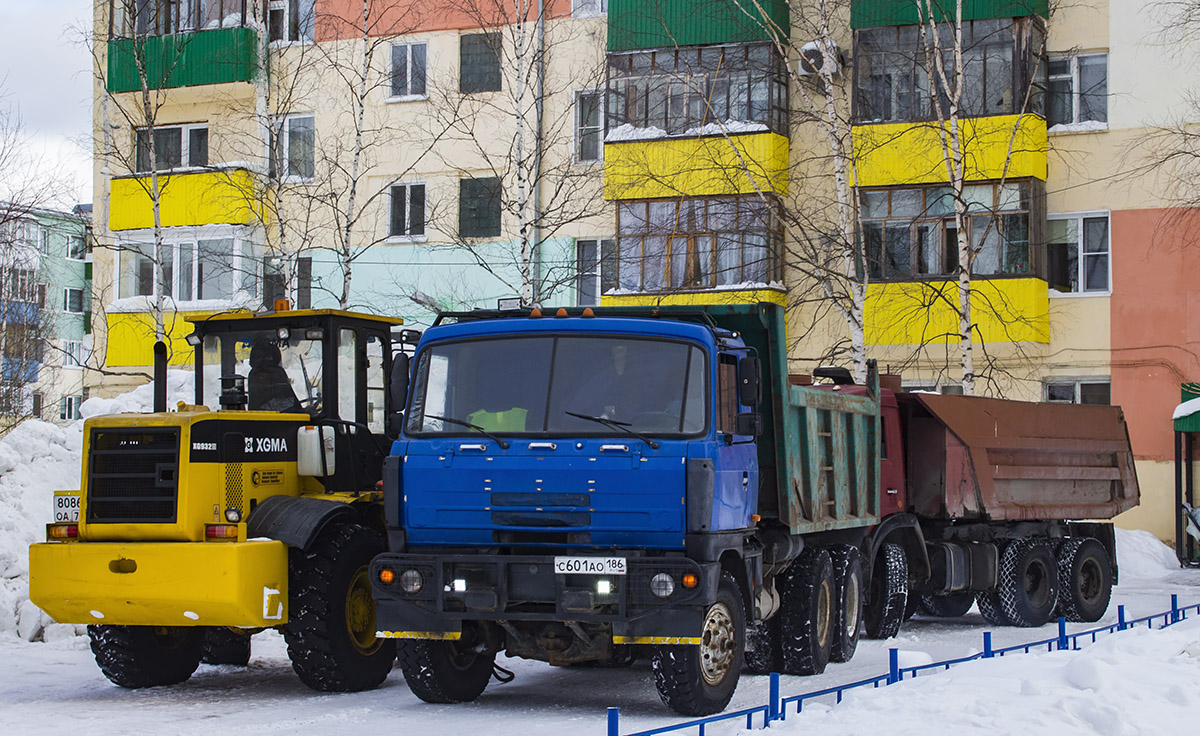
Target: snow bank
1141,555
36,459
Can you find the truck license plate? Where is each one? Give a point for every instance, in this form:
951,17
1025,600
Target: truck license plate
589,565
66,507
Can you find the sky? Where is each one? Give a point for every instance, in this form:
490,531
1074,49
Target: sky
45,74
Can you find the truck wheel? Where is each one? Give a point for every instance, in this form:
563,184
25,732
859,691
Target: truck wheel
1084,579
146,656
762,647
1027,585
949,605
699,680
442,671
847,573
223,645
990,608
808,619
884,613
331,632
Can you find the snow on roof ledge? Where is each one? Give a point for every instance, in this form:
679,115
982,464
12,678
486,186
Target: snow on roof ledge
1186,409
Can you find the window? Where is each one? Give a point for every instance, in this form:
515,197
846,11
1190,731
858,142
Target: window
76,247
727,403
408,70
597,270
589,126
297,147
1071,268
20,286
479,63
68,407
37,404
1083,391
176,146
679,90
586,8
479,208
407,211
211,268
43,240
73,301
697,243
1078,90
26,233
910,232
72,354
290,20
158,17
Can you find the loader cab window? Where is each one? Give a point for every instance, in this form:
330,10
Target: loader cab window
347,383
376,384
282,373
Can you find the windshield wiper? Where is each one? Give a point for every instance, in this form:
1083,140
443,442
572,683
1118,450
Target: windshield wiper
500,441
623,426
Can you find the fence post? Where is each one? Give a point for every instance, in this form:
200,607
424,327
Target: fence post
893,666
987,645
773,706
1062,634
614,725
1174,608
1121,618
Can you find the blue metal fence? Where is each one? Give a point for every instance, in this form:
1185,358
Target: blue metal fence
776,708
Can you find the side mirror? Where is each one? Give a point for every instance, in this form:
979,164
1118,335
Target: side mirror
749,381
748,424
398,382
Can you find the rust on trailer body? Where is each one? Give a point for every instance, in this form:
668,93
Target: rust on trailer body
971,457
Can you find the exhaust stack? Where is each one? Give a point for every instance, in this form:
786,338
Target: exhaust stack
160,377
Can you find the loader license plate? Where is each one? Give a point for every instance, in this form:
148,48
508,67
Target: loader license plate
66,506
589,565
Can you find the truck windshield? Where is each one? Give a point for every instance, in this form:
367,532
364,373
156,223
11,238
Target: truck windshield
535,385
281,375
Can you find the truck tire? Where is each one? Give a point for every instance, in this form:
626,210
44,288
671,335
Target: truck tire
1084,579
146,656
884,613
446,671
331,630
699,680
947,605
809,618
223,645
1027,584
762,647
848,575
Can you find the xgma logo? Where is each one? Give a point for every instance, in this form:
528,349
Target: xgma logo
266,444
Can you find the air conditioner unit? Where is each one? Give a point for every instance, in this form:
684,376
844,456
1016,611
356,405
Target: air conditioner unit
814,55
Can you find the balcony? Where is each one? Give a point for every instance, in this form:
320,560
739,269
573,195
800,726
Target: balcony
649,24
1004,310
186,199
873,13
696,167
215,56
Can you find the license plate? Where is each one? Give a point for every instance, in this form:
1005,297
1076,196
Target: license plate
589,565
66,506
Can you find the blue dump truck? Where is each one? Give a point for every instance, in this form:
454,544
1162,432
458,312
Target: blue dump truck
601,485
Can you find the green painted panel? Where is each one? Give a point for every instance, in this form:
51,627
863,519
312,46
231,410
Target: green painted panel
652,24
871,13
1190,423
184,60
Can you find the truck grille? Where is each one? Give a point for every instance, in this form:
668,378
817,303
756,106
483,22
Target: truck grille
133,475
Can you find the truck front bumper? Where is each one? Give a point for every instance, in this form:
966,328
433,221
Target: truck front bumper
161,583
524,588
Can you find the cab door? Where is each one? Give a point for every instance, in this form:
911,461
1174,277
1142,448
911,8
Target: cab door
735,492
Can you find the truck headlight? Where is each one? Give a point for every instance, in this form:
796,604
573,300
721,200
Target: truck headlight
662,585
411,581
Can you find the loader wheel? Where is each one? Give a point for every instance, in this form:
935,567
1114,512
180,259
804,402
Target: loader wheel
847,573
447,671
949,605
1084,579
809,617
699,680
884,613
1027,584
146,656
331,633
223,645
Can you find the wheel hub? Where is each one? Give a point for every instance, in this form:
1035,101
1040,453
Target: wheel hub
1090,581
852,607
717,644
360,612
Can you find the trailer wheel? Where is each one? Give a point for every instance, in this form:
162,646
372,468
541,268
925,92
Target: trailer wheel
884,613
1084,579
808,620
1027,586
146,656
223,645
847,573
762,647
331,634
439,671
699,680
990,608
948,605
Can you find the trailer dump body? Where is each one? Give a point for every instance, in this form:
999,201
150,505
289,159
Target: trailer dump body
971,457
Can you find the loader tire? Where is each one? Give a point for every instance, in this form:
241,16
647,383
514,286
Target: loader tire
146,656
947,605
848,576
1084,579
884,613
223,645
331,631
1027,584
699,680
446,671
808,619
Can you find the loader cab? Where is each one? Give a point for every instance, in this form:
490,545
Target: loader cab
317,367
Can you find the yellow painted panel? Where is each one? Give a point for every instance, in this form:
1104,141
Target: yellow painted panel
749,296
201,198
131,338
924,312
694,167
911,153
